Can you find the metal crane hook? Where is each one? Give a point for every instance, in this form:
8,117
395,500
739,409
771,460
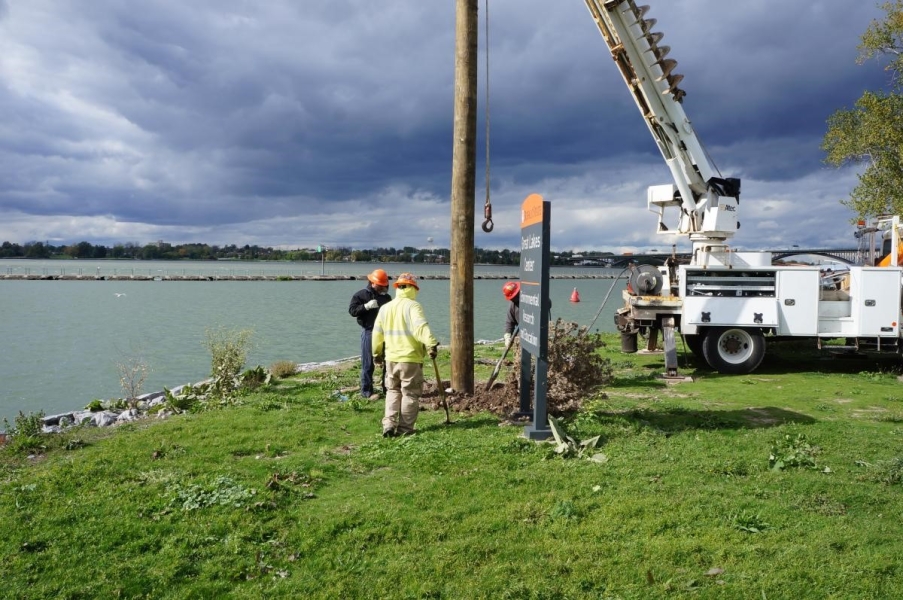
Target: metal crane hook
487,212
487,209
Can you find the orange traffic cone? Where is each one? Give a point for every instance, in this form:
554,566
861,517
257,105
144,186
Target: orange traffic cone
575,296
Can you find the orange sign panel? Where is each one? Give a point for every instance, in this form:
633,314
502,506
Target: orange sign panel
531,211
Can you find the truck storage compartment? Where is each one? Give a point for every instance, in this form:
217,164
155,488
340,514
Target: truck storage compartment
730,311
734,283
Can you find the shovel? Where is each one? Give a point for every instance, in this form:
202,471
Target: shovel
498,365
441,392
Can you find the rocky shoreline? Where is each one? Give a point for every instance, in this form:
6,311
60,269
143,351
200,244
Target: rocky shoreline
145,406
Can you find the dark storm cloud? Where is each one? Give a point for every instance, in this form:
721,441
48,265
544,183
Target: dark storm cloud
292,123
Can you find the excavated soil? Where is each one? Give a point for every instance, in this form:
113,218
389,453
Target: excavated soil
574,369
498,400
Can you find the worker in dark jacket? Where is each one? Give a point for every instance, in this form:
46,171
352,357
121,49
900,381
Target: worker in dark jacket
364,307
511,291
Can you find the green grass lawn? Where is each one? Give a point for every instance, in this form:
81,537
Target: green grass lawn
781,484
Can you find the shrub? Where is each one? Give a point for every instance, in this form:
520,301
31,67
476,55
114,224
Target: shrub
283,368
575,367
94,405
30,425
228,352
255,378
188,397
26,433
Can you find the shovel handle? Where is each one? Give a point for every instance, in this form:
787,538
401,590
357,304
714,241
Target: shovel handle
498,365
441,391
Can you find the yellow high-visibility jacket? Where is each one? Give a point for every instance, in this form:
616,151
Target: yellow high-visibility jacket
401,331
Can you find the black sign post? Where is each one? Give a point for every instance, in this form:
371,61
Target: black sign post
534,311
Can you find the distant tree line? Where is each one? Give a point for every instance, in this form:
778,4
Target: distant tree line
165,251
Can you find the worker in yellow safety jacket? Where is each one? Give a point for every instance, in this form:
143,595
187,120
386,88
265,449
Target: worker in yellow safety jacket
402,339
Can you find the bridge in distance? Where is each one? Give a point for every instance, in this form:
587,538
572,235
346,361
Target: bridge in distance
849,256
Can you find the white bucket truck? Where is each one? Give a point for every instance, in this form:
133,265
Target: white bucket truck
728,304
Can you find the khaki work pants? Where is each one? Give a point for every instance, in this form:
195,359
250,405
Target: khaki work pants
404,385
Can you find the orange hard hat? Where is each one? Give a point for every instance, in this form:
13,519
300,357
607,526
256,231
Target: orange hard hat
378,277
406,279
511,290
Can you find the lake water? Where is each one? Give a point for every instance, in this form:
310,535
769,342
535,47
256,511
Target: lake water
60,341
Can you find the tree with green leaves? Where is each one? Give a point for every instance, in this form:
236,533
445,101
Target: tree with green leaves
871,133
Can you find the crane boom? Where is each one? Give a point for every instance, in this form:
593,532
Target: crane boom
706,202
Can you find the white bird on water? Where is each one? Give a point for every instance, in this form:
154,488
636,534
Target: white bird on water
118,294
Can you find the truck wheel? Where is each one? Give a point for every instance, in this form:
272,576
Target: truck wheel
734,351
694,344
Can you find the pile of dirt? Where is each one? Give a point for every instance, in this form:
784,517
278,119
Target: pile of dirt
496,400
575,369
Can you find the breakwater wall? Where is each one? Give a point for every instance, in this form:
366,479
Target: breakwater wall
48,277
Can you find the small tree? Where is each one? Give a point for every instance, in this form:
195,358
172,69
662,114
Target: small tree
133,371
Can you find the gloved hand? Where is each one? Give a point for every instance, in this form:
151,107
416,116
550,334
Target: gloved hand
507,340
372,304
379,359
434,351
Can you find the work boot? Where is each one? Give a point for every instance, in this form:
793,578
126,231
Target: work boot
373,396
389,433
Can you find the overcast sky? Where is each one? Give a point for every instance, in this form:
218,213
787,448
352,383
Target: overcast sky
293,123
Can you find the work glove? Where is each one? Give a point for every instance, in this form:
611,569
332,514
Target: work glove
434,351
379,359
372,304
507,340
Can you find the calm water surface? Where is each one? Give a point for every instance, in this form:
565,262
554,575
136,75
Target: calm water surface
61,340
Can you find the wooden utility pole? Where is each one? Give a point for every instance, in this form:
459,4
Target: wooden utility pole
463,189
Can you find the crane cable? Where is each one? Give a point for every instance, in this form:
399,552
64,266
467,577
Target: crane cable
604,300
487,208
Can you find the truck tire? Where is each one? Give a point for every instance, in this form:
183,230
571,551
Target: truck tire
694,344
733,350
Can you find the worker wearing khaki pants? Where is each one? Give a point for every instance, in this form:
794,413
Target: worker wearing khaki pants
404,382
402,339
